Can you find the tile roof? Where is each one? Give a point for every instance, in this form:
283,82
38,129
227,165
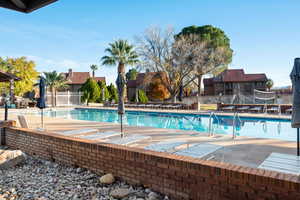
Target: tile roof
236,75
75,78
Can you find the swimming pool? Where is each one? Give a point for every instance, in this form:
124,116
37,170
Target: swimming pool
246,126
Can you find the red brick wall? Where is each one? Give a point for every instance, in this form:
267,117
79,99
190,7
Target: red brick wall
177,176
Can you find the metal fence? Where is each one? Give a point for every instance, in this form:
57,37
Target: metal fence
64,98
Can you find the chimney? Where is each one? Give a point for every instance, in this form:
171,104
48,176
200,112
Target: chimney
70,72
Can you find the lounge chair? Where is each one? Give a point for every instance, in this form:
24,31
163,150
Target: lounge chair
243,108
24,124
285,163
23,121
273,109
128,139
99,135
289,111
78,131
157,106
256,109
228,108
199,150
164,146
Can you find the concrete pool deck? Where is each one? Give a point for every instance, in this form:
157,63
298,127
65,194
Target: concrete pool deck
244,151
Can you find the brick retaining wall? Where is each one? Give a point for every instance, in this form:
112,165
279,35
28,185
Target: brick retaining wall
179,177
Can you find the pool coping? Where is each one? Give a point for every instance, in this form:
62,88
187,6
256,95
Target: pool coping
262,116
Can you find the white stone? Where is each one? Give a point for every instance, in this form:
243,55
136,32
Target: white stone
120,193
9,159
107,179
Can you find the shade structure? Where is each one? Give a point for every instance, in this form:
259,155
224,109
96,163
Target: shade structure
120,82
25,6
295,77
41,104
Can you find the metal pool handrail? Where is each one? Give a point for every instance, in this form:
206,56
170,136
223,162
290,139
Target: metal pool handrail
210,123
235,118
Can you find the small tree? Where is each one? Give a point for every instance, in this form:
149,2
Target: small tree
142,96
269,84
131,74
113,93
91,91
104,96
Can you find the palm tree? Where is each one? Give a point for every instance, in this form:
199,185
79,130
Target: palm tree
94,68
120,53
55,81
269,84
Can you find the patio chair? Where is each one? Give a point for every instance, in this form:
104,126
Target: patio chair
99,135
157,106
228,108
23,121
199,150
24,124
164,146
256,109
243,108
273,109
128,140
285,163
289,111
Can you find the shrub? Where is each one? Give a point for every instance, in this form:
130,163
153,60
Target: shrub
91,91
113,93
142,96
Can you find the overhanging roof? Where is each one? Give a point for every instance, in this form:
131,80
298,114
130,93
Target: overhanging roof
6,77
25,6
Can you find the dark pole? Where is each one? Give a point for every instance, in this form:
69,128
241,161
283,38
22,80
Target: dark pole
42,118
6,111
121,116
298,152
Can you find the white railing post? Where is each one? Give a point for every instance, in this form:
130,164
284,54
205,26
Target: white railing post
68,97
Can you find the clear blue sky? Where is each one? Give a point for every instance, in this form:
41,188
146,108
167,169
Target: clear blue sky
265,35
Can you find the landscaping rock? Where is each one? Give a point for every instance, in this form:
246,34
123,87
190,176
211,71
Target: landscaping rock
107,179
9,159
153,196
44,180
120,193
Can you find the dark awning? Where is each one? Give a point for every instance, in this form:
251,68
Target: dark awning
25,6
6,77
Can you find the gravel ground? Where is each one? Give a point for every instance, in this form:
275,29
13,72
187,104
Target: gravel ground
42,180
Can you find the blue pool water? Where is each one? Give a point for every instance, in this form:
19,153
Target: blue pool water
251,127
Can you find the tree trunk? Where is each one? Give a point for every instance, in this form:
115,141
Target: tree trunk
174,98
93,74
199,77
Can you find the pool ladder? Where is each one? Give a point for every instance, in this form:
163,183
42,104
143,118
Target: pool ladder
210,129
236,118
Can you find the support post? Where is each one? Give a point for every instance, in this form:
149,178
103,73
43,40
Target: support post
298,151
121,118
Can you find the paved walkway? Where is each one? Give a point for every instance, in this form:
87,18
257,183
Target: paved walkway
241,151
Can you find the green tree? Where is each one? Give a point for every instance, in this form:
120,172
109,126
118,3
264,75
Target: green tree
269,84
218,55
142,96
55,81
91,91
22,68
94,68
131,74
120,53
104,96
113,93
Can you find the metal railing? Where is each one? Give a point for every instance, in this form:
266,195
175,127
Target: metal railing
236,118
210,128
